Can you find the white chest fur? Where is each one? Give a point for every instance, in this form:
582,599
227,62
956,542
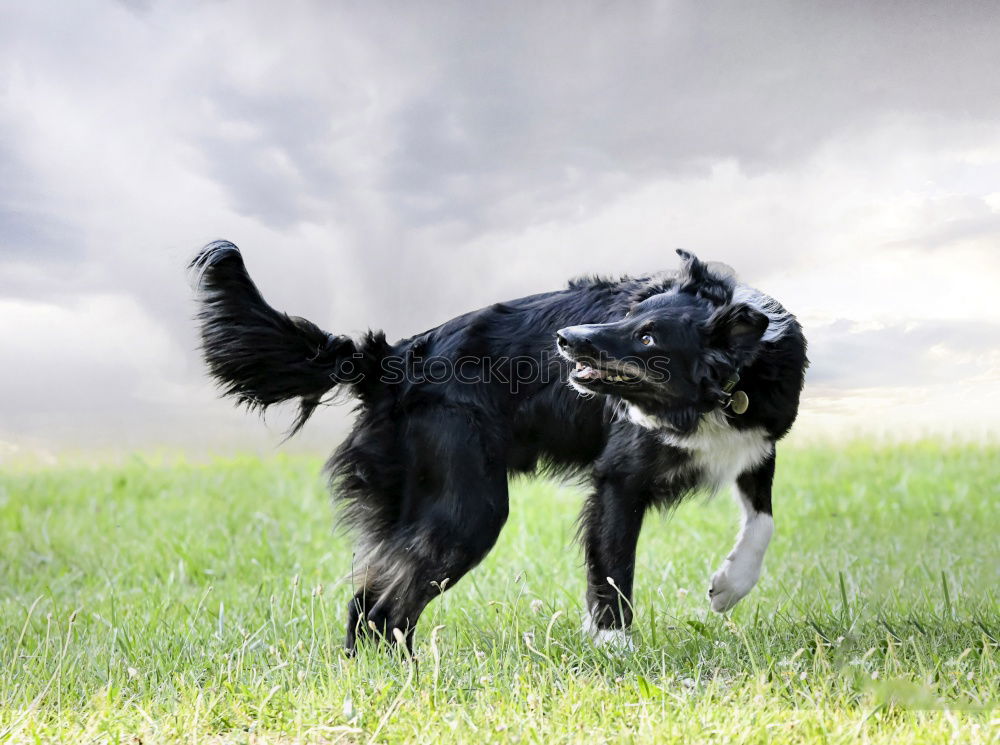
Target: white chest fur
721,452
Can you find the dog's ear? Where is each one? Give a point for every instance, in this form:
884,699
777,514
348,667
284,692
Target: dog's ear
710,280
736,328
693,270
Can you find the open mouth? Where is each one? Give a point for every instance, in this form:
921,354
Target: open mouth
591,373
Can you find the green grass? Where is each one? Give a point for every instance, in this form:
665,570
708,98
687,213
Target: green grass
182,603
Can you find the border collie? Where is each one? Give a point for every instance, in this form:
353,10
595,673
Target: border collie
659,385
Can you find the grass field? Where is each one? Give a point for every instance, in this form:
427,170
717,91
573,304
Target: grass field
151,603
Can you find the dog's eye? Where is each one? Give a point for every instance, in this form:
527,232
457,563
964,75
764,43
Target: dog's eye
647,340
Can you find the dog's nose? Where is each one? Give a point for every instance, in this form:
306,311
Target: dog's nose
573,337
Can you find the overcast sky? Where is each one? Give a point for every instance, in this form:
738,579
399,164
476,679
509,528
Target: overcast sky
843,157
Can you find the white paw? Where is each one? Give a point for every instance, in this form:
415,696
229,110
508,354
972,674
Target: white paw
732,582
616,639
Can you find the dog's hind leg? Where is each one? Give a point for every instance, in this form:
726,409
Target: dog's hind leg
357,616
454,506
741,569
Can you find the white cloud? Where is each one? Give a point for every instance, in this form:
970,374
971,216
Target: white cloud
89,356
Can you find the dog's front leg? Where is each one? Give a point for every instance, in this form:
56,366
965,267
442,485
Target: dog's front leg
741,569
612,520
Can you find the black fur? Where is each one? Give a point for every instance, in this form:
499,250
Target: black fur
422,478
261,356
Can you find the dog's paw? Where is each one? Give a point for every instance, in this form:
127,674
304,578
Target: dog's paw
613,639
731,583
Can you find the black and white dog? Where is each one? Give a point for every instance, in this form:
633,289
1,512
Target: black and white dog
699,376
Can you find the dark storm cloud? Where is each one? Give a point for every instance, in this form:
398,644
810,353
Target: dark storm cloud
498,147
477,119
546,99
277,165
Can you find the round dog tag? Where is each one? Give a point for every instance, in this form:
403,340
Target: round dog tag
740,402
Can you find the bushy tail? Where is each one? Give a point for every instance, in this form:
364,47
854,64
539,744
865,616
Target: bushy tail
259,355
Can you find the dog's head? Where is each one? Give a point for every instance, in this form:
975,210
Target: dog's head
670,357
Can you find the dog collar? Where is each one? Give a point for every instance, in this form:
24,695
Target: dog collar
736,401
